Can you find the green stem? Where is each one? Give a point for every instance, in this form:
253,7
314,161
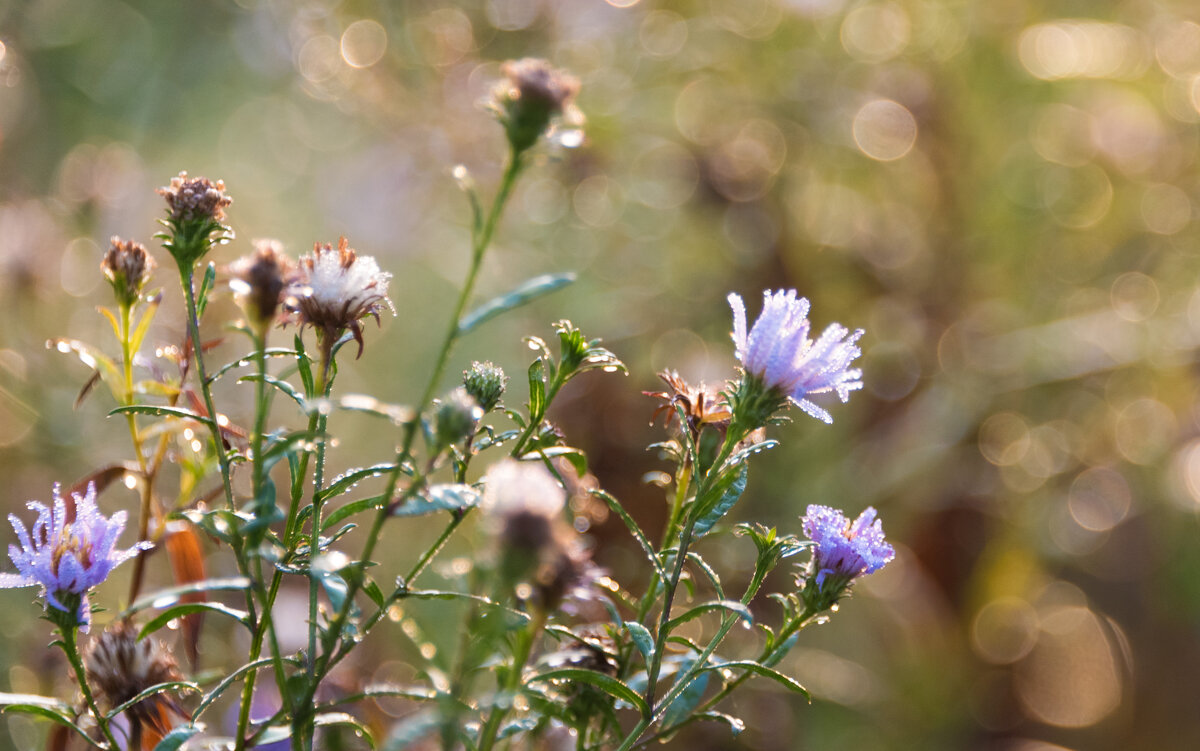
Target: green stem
487,737
139,563
71,650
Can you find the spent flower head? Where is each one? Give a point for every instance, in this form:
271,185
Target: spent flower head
335,289
843,551
120,666
127,266
532,98
258,280
781,363
68,558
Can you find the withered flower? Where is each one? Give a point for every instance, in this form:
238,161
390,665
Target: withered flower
540,554
259,280
531,97
195,198
127,266
335,289
119,667
701,404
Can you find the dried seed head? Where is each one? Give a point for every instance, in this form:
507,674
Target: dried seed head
531,97
127,266
335,289
259,280
119,667
195,198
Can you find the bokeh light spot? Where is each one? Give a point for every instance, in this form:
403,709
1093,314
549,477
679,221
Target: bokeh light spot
1070,678
1004,630
364,43
1134,296
1077,197
1144,430
663,33
884,130
512,15
1099,499
875,33
1165,209
319,59
1004,439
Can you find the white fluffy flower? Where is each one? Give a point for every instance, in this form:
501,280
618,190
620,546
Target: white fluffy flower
336,289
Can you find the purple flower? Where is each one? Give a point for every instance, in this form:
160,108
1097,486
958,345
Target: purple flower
777,350
68,558
845,550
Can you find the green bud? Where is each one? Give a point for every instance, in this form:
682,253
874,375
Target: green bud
486,383
456,417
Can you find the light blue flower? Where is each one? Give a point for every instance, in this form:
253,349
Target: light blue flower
68,558
777,351
845,550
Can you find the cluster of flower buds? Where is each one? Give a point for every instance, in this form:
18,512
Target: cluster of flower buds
486,382
195,209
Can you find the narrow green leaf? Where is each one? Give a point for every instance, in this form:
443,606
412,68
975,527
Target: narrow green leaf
226,682
641,639
176,738
787,682
537,391
164,597
248,360
148,692
730,496
448,497
731,606
525,293
736,725
708,572
350,509
150,409
689,698
206,286
303,366
349,479
187,608
605,683
284,387
143,324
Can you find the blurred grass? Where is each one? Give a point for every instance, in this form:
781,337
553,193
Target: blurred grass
1002,194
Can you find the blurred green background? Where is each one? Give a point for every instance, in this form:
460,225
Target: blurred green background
1001,193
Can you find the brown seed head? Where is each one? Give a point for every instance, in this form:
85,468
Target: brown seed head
260,279
701,405
127,266
536,81
335,289
119,667
193,198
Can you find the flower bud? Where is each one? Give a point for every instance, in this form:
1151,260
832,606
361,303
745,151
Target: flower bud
260,279
533,95
456,417
486,383
127,266
195,208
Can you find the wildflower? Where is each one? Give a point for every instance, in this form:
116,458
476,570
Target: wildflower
532,97
843,550
336,289
260,279
781,363
68,558
127,266
486,383
119,667
191,199
539,551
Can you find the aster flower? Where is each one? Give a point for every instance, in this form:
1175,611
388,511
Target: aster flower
127,266
778,355
532,96
120,666
336,289
524,505
259,280
68,558
843,550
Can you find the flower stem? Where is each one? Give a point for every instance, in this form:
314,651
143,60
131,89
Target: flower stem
487,736
71,650
139,563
